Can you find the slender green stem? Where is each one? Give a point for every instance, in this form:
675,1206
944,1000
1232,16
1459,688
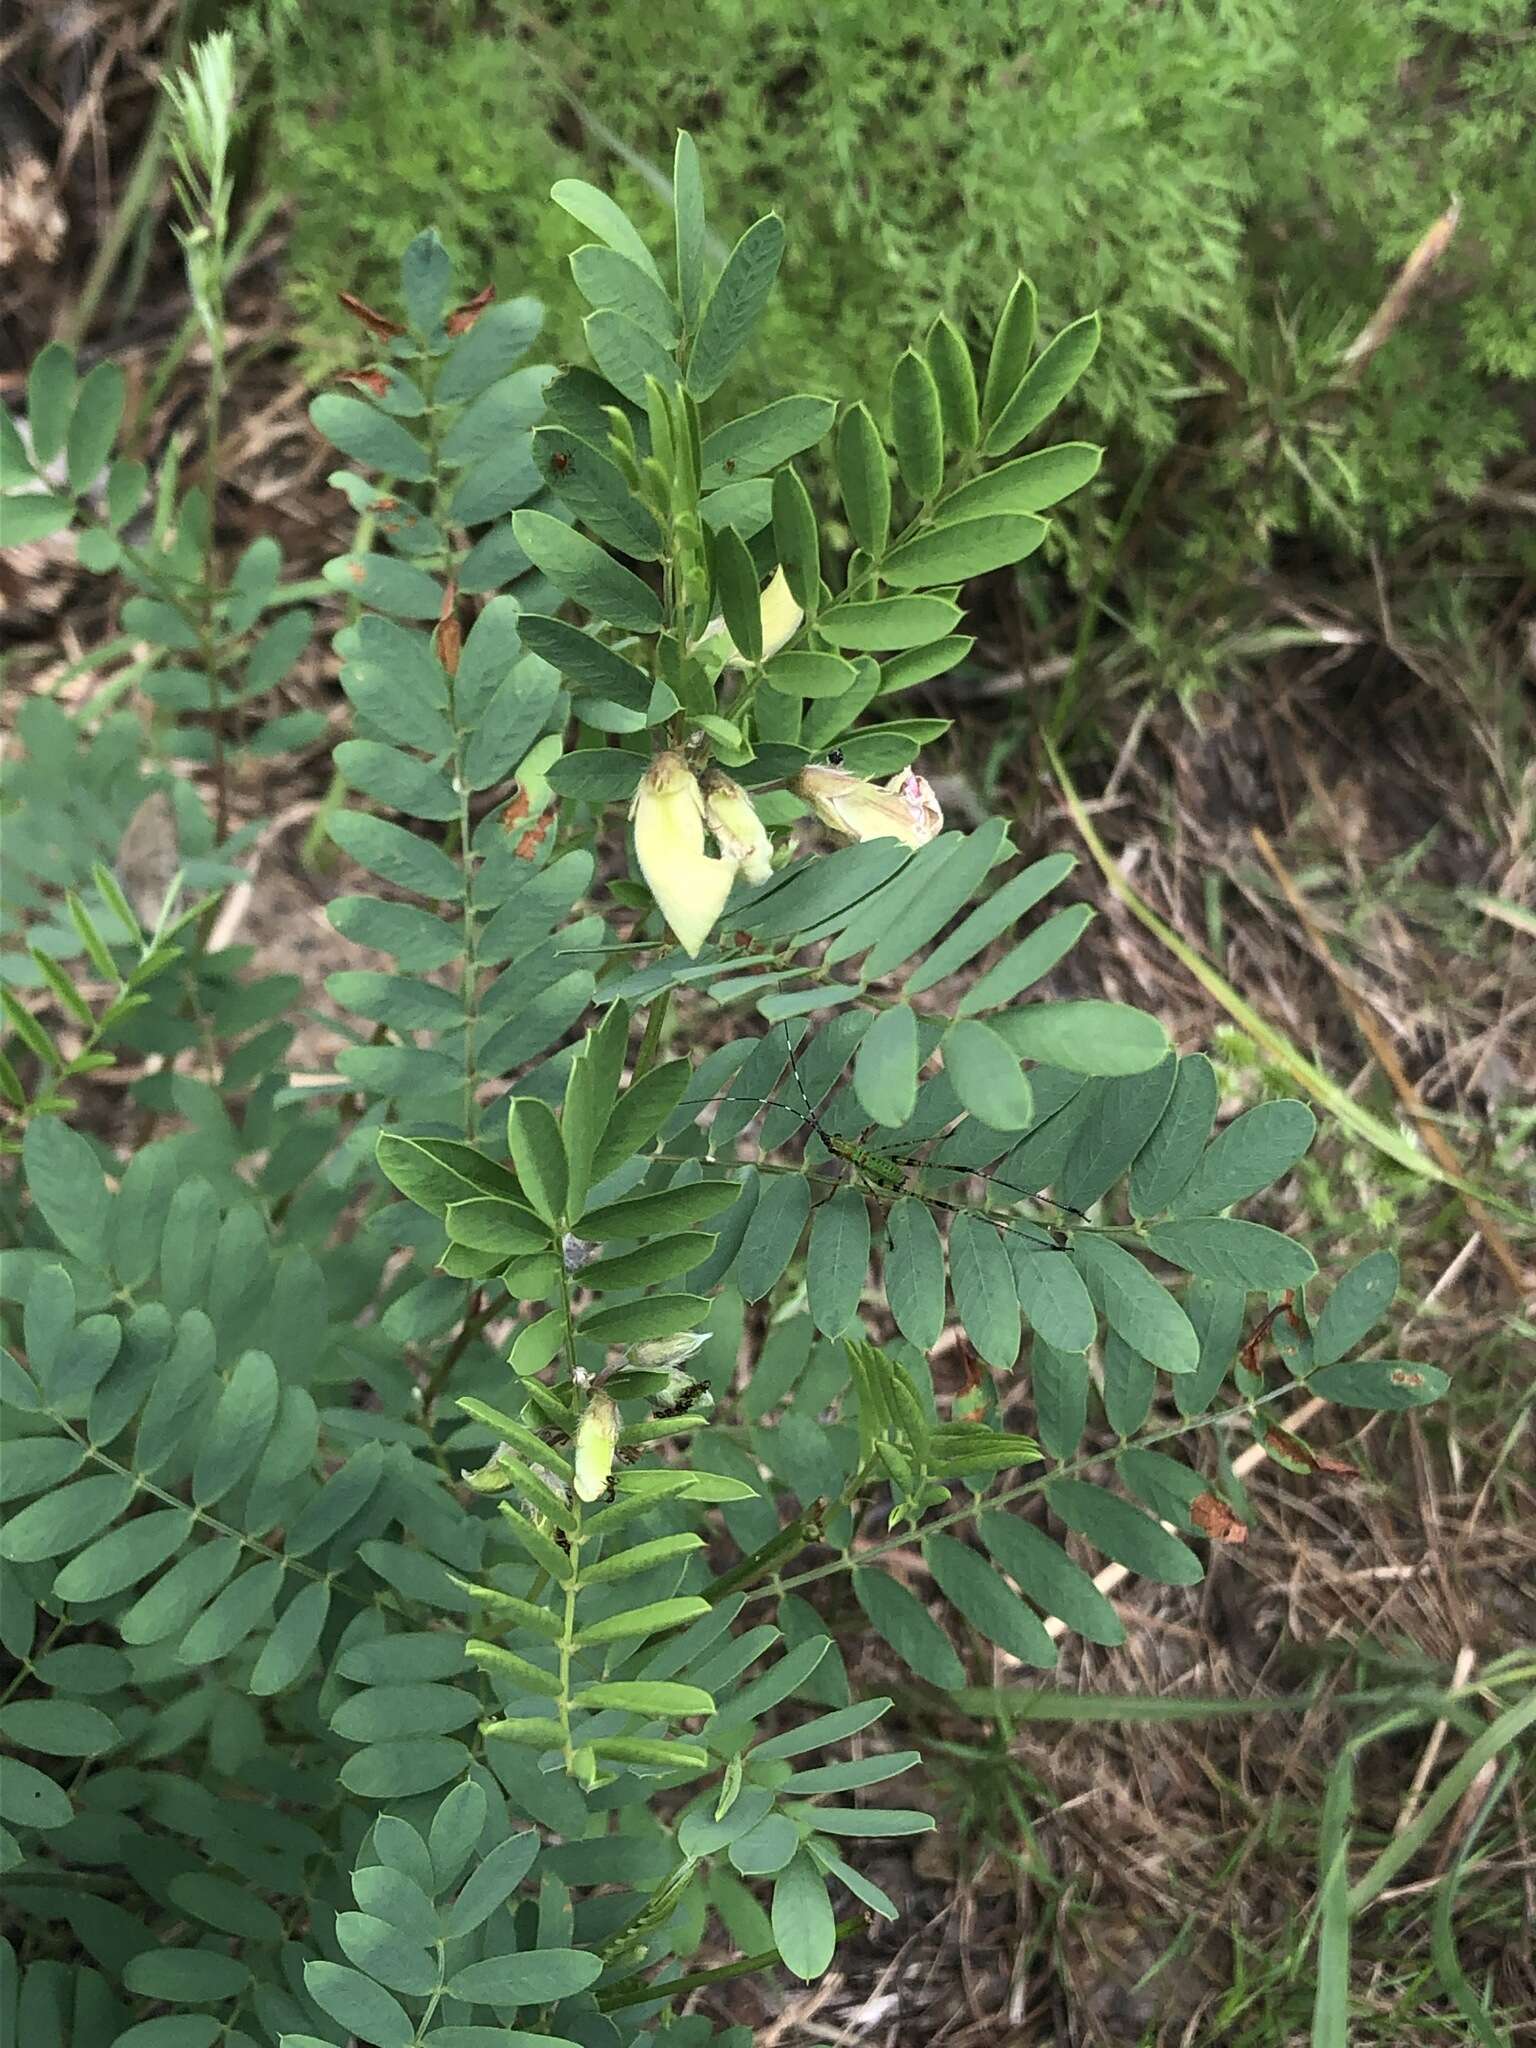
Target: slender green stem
469,976
1238,1411
567,1644
634,1991
25,1666
424,2024
655,1030
475,1320
215,1527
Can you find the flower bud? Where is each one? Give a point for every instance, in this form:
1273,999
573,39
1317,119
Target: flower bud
689,886
739,831
654,1353
597,1440
496,1475
904,808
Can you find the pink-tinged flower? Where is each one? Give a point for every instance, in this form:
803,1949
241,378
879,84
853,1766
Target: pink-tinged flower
904,808
689,886
738,831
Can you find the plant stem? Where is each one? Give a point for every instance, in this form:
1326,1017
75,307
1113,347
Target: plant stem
633,1992
655,1028
568,1641
475,1319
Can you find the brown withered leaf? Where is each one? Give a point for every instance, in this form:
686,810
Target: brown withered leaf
448,634
1253,1344
1298,1456
1341,1468
462,318
1211,1515
514,811
1287,1451
535,837
370,380
389,330
149,856
970,1401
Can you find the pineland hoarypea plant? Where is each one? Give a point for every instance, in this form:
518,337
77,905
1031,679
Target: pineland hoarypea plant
447,1488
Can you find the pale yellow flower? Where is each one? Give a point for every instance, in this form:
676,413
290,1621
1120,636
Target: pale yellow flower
739,832
597,1441
904,808
781,615
689,886
781,618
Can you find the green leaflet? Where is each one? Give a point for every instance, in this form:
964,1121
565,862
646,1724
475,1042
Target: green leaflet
914,1272
1144,1313
735,305
838,1259
690,227
1124,1533
864,479
987,1602
1086,1038
985,1075
1253,1150
901,1619
360,430
804,1928
1043,1570
954,552
760,441
917,430
1118,1115
1053,1297
1059,1382
773,1233
1012,346
1225,1248
1354,1307
582,570
1168,1157
986,1298
1386,1383
885,1066
1046,383
1031,483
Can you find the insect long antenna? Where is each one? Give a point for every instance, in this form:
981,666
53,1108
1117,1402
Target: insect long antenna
810,1111
794,1068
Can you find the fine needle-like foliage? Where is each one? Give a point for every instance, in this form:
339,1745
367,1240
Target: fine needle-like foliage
437,1494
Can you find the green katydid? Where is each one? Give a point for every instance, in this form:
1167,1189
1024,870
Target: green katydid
886,1177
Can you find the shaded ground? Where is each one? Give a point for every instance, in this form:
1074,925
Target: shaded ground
1100,1877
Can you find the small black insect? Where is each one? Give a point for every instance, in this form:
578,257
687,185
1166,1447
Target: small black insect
835,758
686,1401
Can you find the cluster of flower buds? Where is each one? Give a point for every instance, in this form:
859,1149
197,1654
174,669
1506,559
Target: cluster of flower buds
674,808
671,812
